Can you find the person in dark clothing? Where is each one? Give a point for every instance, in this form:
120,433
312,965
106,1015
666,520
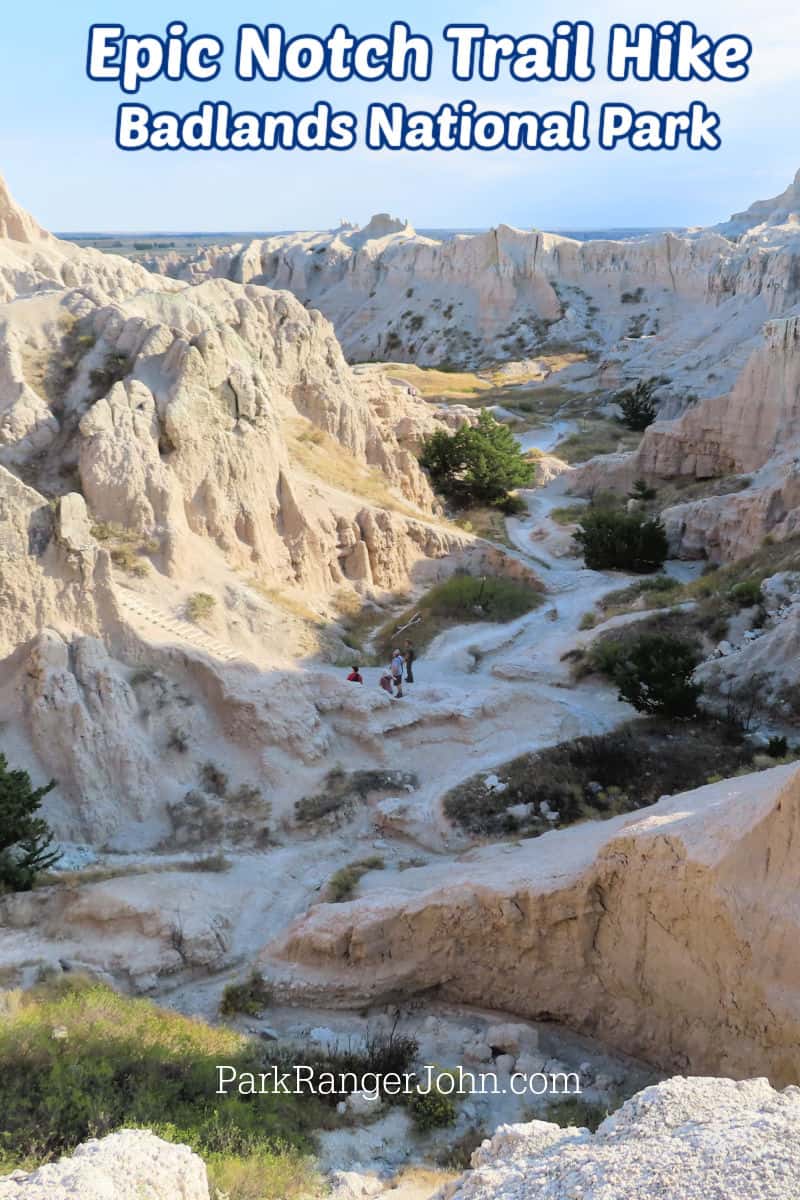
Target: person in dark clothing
355,676
409,656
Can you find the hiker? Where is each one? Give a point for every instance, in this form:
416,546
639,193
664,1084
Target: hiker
409,656
397,670
355,675
386,682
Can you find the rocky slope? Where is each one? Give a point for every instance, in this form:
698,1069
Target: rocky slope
159,441
686,1138
752,431
668,933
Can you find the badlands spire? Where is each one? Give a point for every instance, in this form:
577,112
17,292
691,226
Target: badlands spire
15,222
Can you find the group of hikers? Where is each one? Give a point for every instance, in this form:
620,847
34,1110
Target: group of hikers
391,679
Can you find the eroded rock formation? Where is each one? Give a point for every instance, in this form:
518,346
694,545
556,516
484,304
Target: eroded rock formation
668,934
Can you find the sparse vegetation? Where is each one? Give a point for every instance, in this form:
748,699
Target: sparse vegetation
126,547
25,838
248,998
342,791
343,883
619,540
199,606
598,777
596,435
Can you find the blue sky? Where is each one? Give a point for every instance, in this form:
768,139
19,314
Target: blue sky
57,127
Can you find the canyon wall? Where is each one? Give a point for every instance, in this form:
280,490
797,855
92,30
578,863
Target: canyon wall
668,934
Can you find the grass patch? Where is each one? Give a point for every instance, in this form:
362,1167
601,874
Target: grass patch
343,883
598,777
459,600
78,1061
596,436
199,606
485,522
126,547
326,459
568,514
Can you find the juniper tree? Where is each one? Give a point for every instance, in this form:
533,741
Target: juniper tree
25,838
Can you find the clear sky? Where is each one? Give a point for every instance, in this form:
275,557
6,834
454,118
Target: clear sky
59,158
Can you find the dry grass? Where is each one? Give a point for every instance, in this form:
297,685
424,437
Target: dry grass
596,436
291,602
125,546
462,386
326,459
486,523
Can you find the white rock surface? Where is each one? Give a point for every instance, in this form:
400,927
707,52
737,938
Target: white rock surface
129,1165
685,1139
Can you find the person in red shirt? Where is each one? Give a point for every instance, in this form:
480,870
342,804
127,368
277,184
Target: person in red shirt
355,676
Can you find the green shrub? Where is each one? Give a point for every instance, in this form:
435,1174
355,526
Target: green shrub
25,838
616,540
249,998
199,606
343,883
777,747
477,464
512,505
637,404
655,676
746,593
435,1108
575,1111
642,491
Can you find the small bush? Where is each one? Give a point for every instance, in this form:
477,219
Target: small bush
113,370
199,606
248,998
777,747
574,1111
342,884
432,1109
637,404
746,594
642,491
612,540
214,779
655,676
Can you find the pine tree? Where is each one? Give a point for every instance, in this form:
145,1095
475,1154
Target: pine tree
478,464
638,406
25,839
